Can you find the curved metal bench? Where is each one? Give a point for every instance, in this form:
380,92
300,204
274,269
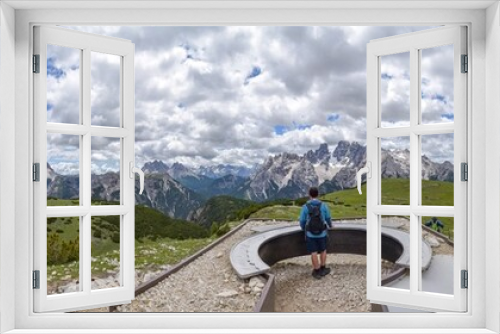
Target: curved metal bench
256,254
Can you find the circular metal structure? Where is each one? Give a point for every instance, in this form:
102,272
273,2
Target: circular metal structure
256,254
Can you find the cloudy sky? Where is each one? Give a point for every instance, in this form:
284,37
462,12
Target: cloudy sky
210,95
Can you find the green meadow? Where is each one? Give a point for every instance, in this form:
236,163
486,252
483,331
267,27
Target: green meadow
350,204
162,240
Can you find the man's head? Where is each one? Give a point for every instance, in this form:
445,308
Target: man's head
313,192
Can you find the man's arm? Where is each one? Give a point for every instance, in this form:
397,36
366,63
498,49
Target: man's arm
326,214
303,218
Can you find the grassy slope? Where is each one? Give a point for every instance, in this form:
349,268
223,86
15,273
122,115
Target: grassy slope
173,240
220,209
350,204
152,254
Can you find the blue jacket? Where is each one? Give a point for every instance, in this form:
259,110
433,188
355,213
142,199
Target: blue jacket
325,216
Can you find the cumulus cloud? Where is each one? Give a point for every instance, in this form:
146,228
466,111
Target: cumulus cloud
209,95
63,153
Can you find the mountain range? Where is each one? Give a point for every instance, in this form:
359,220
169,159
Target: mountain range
181,192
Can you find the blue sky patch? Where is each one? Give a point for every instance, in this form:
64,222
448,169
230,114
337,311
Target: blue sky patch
280,129
303,126
438,97
386,76
52,70
449,116
333,117
49,106
255,72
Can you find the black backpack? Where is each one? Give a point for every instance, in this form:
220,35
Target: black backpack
315,225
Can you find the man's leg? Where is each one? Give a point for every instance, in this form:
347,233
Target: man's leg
316,273
314,260
323,269
323,258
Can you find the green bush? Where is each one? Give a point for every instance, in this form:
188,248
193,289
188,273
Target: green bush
223,229
214,228
150,223
98,234
60,252
59,231
115,238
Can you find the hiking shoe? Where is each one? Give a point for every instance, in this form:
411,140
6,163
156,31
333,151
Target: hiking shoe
316,273
323,271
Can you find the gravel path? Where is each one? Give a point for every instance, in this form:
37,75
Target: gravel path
343,290
208,284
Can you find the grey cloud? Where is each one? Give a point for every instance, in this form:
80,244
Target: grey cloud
105,85
308,73
438,148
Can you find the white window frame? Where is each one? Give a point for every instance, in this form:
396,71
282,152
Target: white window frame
86,44
484,48
412,44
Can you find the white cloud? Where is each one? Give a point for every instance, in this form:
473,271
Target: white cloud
196,105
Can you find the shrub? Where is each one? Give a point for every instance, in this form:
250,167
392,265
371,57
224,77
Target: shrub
98,234
223,229
214,228
60,252
59,231
115,238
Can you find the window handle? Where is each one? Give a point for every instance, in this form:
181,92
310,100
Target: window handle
368,170
134,170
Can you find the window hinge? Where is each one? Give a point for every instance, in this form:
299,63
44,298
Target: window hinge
464,171
36,279
36,63
36,172
465,279
465,64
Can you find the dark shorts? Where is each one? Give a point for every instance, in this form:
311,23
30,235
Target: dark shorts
316,245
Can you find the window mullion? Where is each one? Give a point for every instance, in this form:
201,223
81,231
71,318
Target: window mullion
414,170
85,246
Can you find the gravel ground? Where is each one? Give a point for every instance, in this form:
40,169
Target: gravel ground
208,284
343,290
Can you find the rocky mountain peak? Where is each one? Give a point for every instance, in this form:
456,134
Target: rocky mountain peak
177,166
341,150
155,167
351,153
321,155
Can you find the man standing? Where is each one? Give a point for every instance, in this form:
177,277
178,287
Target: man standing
435,224
314,218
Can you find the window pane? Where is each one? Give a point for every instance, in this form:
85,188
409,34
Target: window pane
437,169
63,84
105,89
63,255
395,170
105,170
105,252
63,169
395,90
438,234
437,85
395,240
